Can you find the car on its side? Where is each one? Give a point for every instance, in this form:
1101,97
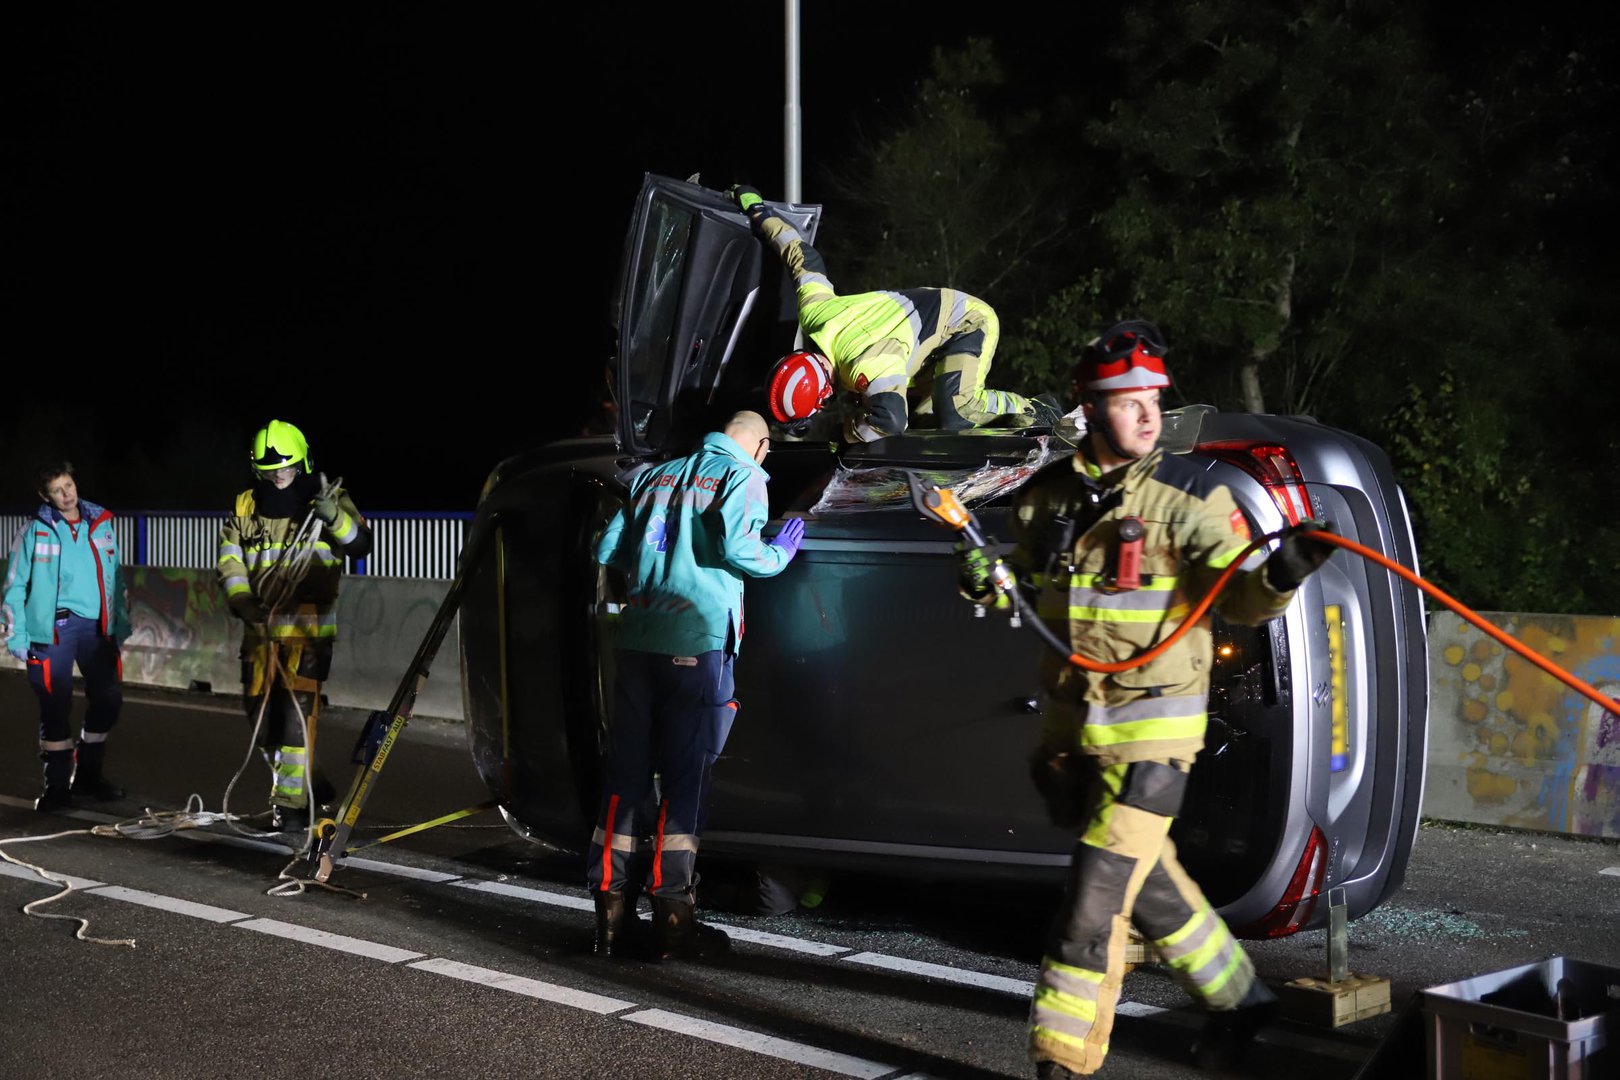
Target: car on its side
884,723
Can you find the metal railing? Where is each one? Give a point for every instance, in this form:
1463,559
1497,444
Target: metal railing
413,545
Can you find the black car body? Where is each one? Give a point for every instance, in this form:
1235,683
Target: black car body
883,724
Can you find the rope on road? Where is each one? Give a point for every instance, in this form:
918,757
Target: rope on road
68,888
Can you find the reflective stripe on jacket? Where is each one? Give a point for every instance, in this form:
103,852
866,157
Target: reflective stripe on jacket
1193,530
30,594
253,547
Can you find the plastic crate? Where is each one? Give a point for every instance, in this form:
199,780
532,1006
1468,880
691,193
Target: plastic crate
1558,1020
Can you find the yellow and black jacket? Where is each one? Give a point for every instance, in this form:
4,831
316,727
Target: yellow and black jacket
1193,530
251,546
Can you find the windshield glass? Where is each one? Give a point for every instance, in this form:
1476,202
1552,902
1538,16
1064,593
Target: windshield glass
656,299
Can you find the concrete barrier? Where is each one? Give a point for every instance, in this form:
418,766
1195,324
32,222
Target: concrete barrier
1511,745
182,634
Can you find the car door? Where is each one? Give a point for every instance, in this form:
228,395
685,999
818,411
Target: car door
703,314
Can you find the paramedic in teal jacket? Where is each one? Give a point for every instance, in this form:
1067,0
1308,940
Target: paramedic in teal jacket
687,536
64,604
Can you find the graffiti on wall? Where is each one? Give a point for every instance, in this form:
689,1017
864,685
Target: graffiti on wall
180,628
1529,751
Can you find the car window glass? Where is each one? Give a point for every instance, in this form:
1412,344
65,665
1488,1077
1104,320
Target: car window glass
656,300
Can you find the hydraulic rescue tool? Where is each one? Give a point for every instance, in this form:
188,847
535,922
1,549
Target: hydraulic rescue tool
383,727
941,506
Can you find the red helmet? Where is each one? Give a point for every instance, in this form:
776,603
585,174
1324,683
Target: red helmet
801,383
1128,356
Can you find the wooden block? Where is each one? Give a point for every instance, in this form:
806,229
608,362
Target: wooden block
1138,951
1325,1003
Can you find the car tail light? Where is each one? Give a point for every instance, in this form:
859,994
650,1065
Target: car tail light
1274,467
1299,899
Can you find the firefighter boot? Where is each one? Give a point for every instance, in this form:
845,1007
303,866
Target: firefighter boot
1051,1070
615,911
58,775
1227,1035
677,935
87,777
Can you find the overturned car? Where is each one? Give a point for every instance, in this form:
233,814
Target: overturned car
885,724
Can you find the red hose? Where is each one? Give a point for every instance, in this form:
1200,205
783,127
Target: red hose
1197,613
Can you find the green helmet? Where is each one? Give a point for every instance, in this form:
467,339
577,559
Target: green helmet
277,445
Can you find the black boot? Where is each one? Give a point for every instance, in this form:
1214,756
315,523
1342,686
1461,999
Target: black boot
677,935
58,775
289,819
615,911
88,779
1051,1070
1227,1035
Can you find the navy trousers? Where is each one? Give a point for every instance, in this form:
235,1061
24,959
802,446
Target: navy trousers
671,716
50,673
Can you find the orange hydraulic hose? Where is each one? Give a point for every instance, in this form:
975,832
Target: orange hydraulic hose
1197,613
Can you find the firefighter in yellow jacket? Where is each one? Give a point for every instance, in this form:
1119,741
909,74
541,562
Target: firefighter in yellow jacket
1119,543
935,344
280,560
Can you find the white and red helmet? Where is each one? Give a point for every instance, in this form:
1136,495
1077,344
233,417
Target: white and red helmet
801,383
1128,356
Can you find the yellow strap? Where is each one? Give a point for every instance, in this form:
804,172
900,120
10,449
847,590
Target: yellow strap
468,812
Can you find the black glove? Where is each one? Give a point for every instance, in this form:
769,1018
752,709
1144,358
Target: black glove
1062,785
1299,556
246,606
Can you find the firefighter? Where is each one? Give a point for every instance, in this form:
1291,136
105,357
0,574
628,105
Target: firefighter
64,604
280,561
1116,748
685,540
934,343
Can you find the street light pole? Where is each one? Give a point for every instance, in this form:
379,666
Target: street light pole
791,149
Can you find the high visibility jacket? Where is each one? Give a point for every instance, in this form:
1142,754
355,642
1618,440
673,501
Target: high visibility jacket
253,548
685,540
1193,530
877,342
30,597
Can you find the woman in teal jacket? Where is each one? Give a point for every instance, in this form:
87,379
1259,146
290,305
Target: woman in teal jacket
64,604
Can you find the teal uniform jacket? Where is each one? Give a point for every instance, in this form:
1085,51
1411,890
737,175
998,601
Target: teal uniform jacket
685,540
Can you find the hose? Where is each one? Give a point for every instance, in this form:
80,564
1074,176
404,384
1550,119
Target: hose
1574,682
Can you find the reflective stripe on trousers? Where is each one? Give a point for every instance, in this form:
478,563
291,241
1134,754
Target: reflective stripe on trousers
1125,870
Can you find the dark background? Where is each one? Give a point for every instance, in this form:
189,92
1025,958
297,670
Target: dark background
397,226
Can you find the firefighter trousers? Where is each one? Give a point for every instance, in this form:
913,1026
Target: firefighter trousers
1124,871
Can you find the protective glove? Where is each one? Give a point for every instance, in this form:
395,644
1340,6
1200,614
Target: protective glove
246,606
747,199
1299,556
790,537
19,650
974,565
1062,784
325,507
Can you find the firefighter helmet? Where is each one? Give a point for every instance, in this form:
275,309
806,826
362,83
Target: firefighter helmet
1128,356
277,445
801,383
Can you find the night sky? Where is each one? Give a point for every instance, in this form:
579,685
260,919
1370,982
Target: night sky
377,222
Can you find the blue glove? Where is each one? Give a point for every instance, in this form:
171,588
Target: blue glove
790,537
19,651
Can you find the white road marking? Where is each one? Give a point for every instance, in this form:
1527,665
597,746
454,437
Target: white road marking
310,936
1136,1008
172,903
399,870
779,941
8,870
522,892
517,984
1612,871
769,1045
999,983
